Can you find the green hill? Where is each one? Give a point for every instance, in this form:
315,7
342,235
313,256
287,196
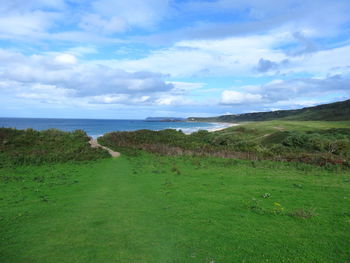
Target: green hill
338,111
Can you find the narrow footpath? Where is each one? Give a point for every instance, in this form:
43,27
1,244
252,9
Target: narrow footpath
94,144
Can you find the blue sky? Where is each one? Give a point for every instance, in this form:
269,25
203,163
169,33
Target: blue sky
132,59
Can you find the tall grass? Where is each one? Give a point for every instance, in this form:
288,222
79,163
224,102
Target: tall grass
23,147
318,146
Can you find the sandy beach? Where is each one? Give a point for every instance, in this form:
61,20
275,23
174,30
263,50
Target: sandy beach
218,127
225,125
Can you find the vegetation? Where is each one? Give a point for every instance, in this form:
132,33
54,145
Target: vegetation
338,111
18,147
61,200
153,208
319,143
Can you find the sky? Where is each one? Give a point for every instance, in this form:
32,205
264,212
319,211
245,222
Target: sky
117,59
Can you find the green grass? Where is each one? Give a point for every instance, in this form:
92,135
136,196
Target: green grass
153,209
267,127
319,143
258,131
294,125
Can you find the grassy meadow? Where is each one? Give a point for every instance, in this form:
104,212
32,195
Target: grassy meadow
149,207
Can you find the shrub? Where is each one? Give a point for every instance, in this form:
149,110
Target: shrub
304,213
26,147
319,147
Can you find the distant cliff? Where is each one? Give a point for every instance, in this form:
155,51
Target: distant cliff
165,119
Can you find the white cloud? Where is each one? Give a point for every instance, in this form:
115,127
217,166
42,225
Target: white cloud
237,55
289,93
264,15
65,59
109,99
324,62
248,56
29,24
231,97
108,16
29,5
44,77
96,23
173,100
77,21
48,93
181,87
82,50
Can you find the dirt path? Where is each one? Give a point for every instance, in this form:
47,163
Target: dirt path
95,144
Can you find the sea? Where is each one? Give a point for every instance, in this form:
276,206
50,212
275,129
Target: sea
98,127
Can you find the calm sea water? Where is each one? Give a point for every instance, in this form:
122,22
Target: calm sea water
97,128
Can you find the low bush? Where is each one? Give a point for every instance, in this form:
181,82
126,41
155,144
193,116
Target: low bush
321,147
304,213
27,147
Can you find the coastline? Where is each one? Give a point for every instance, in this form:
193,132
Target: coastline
218,127
226,125
97,128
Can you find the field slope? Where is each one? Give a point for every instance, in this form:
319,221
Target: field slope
150,208
167,198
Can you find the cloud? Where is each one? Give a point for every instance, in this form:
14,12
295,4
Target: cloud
182,87
82,50
78,21
306,45
173,100
236,55
33,23
246,56
280,90
29,5
119,99
108,16
231,97
96,23
331,61
45,93
62,79
102,20
65,59
265,65
285,94
289,93
54,76
257,17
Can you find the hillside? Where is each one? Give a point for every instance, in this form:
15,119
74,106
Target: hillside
338,111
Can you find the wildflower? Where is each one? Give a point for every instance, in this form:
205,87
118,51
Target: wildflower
266,195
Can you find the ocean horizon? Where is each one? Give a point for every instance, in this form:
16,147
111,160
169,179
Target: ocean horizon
98,127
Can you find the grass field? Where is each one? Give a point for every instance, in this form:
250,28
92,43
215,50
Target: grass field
264,127
150,208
